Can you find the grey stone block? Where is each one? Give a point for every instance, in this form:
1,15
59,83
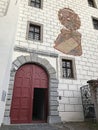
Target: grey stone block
33,57
55,94
10,86
12,78
45,62
12,74
53,89
7,113
54,113
7,108
11,82
52,76
48,66
6,121
52,98
13,68
9,97
39,60
8,102
17,63
28,59
54,81
22,59
52,71
53,108
54,85
10,92
54,119
53,103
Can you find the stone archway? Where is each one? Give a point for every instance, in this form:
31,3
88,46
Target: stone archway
53,116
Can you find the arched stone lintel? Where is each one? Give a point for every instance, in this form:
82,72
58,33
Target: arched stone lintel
33,58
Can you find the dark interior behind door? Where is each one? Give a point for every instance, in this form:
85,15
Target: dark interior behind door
39,104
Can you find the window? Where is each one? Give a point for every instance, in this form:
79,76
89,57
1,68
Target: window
67,68
36,3
35,32
92,3
95,23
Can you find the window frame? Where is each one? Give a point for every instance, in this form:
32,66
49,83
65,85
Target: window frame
73,67
94,3
41,31
93,18
41,4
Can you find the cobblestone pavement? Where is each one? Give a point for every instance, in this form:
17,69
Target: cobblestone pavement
77,126
59,126
34,127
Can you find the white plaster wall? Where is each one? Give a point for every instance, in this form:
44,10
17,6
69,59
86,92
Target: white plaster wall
7,40
70,105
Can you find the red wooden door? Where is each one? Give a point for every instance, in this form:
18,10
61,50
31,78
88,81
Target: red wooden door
27,78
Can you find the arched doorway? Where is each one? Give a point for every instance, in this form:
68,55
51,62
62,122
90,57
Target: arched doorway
30,95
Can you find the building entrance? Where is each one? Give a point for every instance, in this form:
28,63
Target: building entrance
30,95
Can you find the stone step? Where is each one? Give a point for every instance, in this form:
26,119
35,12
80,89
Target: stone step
42,126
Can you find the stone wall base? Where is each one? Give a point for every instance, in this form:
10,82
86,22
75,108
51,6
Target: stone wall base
6,121
51,120
54,119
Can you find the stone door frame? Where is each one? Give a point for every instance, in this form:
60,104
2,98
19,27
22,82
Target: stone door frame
53,116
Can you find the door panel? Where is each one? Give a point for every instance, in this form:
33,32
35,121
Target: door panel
21,101
40,77
27,78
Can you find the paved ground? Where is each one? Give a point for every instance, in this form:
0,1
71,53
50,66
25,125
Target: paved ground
31,127
77,126
60,126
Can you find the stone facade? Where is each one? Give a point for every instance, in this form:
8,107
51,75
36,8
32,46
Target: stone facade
4,7
69,96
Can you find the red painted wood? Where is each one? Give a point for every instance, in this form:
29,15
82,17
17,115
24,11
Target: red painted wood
27,78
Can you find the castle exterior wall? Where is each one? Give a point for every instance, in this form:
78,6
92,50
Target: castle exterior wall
70,105
85,66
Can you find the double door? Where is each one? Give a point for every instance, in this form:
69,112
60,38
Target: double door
30,95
